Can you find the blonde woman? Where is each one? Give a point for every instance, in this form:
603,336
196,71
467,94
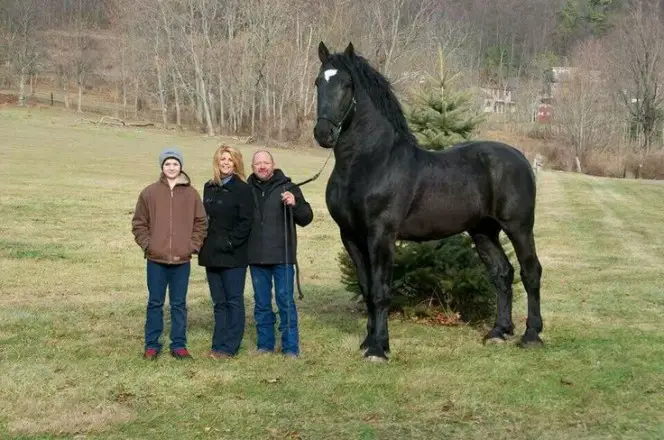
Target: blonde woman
230,207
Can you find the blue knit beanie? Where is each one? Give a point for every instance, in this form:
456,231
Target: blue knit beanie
168,153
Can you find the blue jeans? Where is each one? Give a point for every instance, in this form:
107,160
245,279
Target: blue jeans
176,278
261,278
227,292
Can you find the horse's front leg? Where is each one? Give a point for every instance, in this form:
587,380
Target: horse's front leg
357,251
381,258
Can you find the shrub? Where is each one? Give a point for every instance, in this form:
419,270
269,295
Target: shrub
429,276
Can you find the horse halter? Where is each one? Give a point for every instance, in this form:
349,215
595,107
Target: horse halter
338,125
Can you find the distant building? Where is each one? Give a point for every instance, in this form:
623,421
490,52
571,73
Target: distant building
499,99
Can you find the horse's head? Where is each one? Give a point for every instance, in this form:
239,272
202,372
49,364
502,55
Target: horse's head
336,100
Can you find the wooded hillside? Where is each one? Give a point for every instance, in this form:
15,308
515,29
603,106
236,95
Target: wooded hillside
587,73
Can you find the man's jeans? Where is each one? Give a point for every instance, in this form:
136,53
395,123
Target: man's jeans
176,278
227,292
261,278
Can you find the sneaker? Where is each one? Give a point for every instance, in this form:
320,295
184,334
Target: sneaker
150,354
180,353
291,355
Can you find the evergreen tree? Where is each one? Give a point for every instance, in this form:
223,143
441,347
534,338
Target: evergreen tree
440,115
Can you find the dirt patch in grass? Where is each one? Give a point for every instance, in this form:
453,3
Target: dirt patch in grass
66,418
6,100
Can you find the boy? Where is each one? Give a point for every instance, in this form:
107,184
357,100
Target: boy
169,224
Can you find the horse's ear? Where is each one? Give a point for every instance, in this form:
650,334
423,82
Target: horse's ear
350,50
323,53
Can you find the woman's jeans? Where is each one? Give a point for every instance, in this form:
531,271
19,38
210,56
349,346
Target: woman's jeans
227,292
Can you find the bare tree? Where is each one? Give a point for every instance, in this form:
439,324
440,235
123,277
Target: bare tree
638,67
167,26
84,50
194,28
582,104
395,26
22,40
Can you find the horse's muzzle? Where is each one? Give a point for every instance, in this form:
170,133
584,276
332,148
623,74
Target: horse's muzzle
326,133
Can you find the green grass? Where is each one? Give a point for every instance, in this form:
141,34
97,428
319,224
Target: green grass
72,306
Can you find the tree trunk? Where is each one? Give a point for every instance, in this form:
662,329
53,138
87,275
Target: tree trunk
176,98
253,112
176,92
21,88
578,164
198,100
262,112
232,115
274,107
281,117
647,139
136,99
206,109
303,93
80,95
116,100
162,94
124,85
221,105
65,90
240,116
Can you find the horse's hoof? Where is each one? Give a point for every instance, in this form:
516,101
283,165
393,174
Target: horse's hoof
495,336
530,339
531,344
375,354
494,341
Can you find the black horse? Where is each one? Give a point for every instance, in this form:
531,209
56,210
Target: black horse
384,188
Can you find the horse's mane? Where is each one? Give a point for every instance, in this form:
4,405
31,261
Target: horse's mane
376,85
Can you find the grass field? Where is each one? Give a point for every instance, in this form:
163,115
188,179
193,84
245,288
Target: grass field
72,307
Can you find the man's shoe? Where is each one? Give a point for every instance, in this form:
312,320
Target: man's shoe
263,351
219,355
150,354
180,353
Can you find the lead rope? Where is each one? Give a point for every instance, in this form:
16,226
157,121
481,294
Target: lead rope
289,228
319,171
290,221
289,291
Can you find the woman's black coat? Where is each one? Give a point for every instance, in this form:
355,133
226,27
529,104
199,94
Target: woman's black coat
230,211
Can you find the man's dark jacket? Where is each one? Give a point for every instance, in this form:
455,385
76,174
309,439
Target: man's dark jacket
230,211
267,241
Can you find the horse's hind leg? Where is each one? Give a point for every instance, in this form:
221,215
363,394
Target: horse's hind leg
502,274
531,274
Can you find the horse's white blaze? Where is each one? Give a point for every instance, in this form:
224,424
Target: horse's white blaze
329,74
